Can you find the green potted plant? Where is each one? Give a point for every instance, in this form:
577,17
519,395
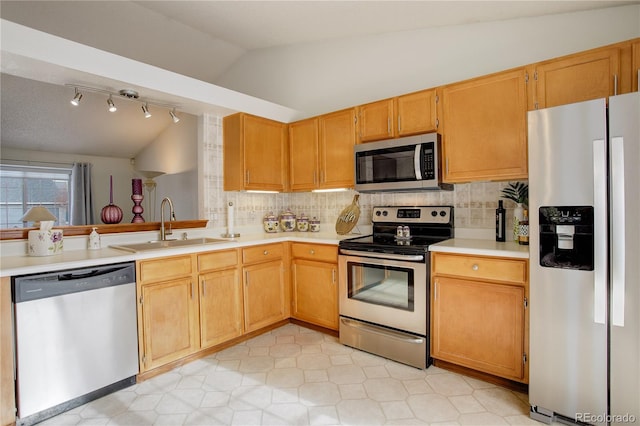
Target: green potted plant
518,192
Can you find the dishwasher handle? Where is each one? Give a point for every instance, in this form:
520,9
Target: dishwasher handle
92,273
26,288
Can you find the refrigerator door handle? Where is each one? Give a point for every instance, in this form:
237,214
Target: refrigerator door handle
617,231
600,231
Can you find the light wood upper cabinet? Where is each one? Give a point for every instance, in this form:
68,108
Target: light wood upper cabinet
321,151
314,283
255,153
405,115
484,128
303,155
335,155
479,313
416,113
575,78
376,121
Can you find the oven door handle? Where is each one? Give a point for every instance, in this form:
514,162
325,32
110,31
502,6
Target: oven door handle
389,256
387,333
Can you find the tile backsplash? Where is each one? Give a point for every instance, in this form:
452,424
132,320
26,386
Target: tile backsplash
474,203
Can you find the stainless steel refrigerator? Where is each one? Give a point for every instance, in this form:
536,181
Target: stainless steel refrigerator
584,204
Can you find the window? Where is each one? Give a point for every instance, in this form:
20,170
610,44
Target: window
22,187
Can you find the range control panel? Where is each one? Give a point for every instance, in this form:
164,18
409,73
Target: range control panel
419,214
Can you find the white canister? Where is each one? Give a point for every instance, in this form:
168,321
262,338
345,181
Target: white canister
45,242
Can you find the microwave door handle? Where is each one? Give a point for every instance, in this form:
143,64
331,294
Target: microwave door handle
416,162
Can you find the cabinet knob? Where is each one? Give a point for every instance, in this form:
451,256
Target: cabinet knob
265,252
475,267
312,251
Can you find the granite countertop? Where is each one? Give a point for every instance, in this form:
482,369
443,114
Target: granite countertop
481,247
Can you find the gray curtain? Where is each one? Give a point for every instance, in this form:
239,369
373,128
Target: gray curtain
81,195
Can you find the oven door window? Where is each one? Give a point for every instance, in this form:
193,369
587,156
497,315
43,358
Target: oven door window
381,285
386,165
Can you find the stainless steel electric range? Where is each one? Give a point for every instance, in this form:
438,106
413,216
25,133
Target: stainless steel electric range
384,282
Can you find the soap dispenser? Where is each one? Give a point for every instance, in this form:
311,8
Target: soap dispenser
94,239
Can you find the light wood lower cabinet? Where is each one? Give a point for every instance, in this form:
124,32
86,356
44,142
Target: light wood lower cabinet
265,286
189,303
221,306
479,315
167,310
314,269
169,317
7,388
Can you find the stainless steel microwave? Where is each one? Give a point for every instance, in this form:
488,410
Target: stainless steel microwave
404,164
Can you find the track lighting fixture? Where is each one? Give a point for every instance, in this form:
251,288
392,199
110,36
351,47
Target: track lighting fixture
76,99
145,109
112,106
128,94
173,115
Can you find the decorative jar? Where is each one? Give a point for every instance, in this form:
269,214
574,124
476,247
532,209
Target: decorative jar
288,221
270,223
303,223
314,224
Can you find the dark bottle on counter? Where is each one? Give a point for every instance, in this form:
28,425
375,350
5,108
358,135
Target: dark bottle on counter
500,222
523,230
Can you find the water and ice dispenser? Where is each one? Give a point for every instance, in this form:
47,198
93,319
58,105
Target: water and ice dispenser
566,237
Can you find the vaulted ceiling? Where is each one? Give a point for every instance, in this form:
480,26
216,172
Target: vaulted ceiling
203,39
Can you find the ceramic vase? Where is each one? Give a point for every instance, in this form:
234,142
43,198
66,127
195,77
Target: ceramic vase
518,216
111,213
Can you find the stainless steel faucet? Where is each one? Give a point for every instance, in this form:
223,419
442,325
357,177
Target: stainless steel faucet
172,217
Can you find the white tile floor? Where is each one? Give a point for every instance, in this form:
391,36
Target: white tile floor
296,376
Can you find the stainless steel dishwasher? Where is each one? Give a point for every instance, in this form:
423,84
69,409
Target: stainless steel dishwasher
76,337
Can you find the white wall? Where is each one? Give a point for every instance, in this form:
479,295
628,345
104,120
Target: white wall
174,152
322,77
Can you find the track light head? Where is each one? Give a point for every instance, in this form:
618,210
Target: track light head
77,97
112,106
145,109
173,115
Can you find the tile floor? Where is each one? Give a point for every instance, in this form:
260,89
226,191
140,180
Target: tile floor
296,376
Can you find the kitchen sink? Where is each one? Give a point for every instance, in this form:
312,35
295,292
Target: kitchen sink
157,245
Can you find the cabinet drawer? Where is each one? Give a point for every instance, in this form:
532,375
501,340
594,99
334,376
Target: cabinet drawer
480,267
318,252
217,260
262,253
164,269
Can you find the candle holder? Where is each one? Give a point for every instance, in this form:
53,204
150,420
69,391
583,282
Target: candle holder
137,197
